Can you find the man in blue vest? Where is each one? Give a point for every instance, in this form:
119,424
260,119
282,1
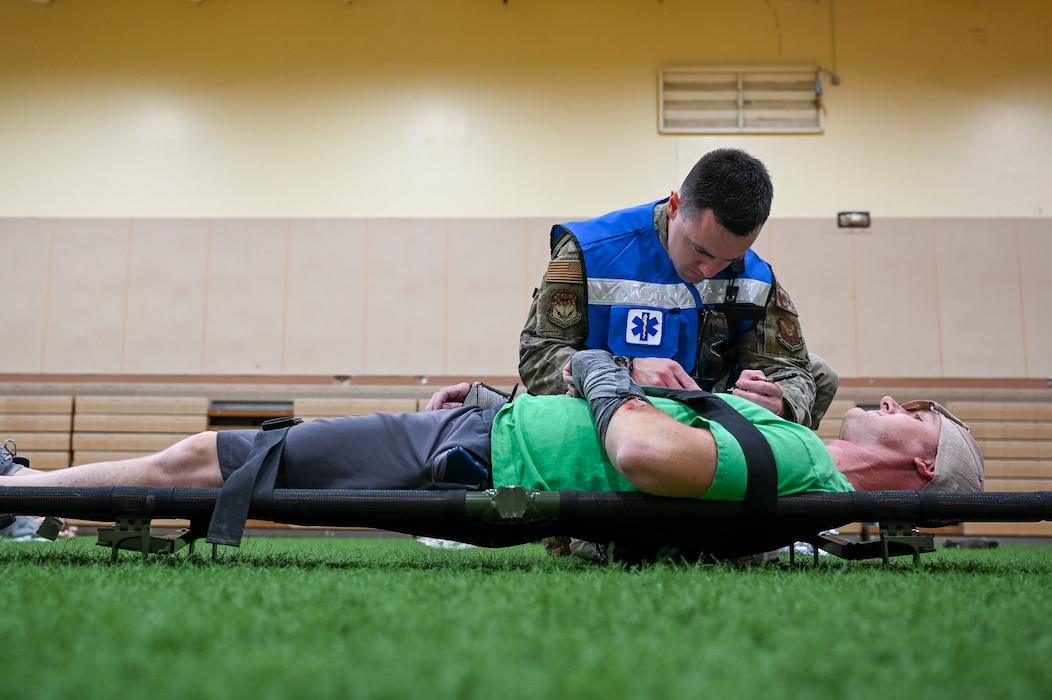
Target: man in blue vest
674,291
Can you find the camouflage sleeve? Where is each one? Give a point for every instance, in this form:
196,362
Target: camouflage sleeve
557,325
776,346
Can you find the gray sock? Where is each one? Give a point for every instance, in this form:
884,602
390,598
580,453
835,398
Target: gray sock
604,384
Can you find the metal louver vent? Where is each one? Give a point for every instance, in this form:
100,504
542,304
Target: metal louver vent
695,100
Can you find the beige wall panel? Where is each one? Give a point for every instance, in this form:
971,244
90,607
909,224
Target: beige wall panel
406,297
166,297
245,307
764,244
897,302
1035,271
979,298
87,296
487,272
325,326
812,260
25,245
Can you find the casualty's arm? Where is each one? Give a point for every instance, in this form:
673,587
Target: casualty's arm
658,454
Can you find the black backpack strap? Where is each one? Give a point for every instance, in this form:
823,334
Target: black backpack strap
255,478
761,490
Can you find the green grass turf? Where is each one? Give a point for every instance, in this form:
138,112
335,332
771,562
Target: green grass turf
391,618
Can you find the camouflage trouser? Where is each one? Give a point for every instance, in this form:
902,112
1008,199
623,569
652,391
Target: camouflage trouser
826,383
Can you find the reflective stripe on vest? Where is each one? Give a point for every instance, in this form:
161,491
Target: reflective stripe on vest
749,291
615,292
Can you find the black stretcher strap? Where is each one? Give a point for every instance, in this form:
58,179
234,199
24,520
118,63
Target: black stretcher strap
256,479
761,490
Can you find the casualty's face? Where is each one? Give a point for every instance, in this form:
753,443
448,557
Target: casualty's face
699,247
893,427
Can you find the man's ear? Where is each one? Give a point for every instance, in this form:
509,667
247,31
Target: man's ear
925,467
673,204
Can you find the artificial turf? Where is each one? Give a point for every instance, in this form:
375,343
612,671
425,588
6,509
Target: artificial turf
391,618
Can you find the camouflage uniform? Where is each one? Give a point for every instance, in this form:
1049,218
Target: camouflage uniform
557,327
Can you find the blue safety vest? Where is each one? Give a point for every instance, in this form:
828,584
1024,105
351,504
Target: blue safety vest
639,306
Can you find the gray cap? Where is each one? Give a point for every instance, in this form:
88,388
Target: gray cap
958,463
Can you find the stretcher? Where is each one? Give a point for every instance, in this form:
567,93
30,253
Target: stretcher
637,527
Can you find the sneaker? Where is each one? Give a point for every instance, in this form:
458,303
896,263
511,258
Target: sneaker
22,528
10,462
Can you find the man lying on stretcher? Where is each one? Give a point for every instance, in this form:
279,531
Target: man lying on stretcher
617,439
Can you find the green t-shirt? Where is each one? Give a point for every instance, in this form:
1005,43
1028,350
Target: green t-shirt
549,443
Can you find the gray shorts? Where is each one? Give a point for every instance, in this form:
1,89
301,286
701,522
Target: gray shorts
379,451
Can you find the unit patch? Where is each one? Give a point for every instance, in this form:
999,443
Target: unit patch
782,300
644,327
564,310
789,335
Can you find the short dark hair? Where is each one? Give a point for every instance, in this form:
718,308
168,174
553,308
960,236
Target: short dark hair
734,185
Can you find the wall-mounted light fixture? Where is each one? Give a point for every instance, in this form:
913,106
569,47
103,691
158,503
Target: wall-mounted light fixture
853,219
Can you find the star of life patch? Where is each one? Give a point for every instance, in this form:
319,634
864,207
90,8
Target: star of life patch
789,335
564,309
644,327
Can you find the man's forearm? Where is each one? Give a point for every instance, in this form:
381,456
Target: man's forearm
798,396
541,362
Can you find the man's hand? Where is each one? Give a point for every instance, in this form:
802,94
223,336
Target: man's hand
754,385
449,397
661,371
649,371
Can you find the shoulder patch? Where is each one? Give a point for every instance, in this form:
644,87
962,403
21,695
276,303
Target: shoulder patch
782,300
789,335
565,271
564,309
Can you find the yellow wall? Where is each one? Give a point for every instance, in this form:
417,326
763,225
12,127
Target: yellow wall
481,108
322,187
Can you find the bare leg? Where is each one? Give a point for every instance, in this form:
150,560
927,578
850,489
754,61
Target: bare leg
192,462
